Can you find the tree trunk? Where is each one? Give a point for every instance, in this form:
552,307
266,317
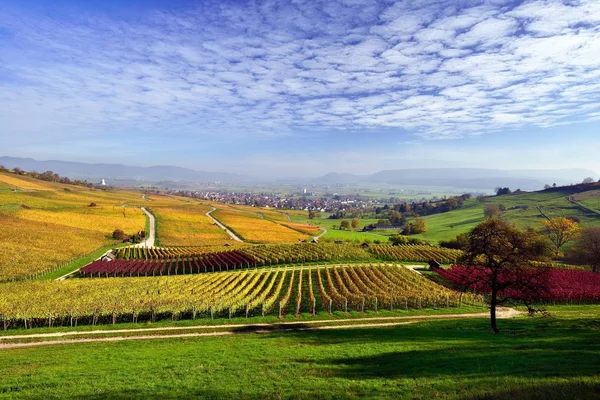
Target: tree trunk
493,304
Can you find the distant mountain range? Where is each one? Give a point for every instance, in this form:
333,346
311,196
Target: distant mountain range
472,178
117,172
463,178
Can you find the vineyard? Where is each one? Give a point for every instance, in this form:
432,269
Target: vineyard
178,261
299,253
570,285
419,253
188,225
252,228
258,292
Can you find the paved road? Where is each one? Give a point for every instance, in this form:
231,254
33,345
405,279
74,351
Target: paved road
150,236
322,233
231,234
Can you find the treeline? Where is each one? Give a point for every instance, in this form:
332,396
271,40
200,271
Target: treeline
397,213
419,209
47,176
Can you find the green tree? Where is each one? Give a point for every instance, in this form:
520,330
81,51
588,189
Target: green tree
355,223
345,224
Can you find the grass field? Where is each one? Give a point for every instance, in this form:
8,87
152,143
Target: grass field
334,233
448,225
543,358
525,210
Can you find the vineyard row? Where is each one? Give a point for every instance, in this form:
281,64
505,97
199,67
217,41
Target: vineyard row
259,292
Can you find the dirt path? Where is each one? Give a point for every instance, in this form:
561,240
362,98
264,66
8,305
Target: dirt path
4,346
322,233
220,225
414,268
299,326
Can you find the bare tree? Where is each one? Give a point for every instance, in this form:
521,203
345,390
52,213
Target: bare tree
491,211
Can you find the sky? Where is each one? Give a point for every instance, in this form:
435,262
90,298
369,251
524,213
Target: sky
302,88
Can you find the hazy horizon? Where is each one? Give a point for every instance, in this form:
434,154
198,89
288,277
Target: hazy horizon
291,89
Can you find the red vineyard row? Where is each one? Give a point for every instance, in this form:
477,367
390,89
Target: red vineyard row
210,262
539,284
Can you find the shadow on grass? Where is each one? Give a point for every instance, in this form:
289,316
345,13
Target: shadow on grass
529,348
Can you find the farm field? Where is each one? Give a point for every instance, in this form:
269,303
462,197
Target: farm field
252,228
542,358
188,226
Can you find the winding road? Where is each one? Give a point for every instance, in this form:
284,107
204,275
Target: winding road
231,234
150,236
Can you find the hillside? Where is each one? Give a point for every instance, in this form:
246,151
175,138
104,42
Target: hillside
45,224
525,210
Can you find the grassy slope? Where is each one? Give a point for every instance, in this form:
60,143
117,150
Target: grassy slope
446,226
542,358
336,234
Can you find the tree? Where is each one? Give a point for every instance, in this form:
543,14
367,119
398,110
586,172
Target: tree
314,214
491,211
589,180
419,226
355,223
503,253
546,187
415,227
118,234
502,191
460,242
561,230
587,248
345,224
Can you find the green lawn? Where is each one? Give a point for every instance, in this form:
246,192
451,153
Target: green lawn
545,358
334,233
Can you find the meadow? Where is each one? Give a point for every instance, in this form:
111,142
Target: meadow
525,210
536,358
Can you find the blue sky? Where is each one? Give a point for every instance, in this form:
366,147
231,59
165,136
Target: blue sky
301,88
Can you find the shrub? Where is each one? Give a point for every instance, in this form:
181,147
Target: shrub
118,234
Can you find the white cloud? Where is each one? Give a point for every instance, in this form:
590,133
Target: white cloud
439,69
